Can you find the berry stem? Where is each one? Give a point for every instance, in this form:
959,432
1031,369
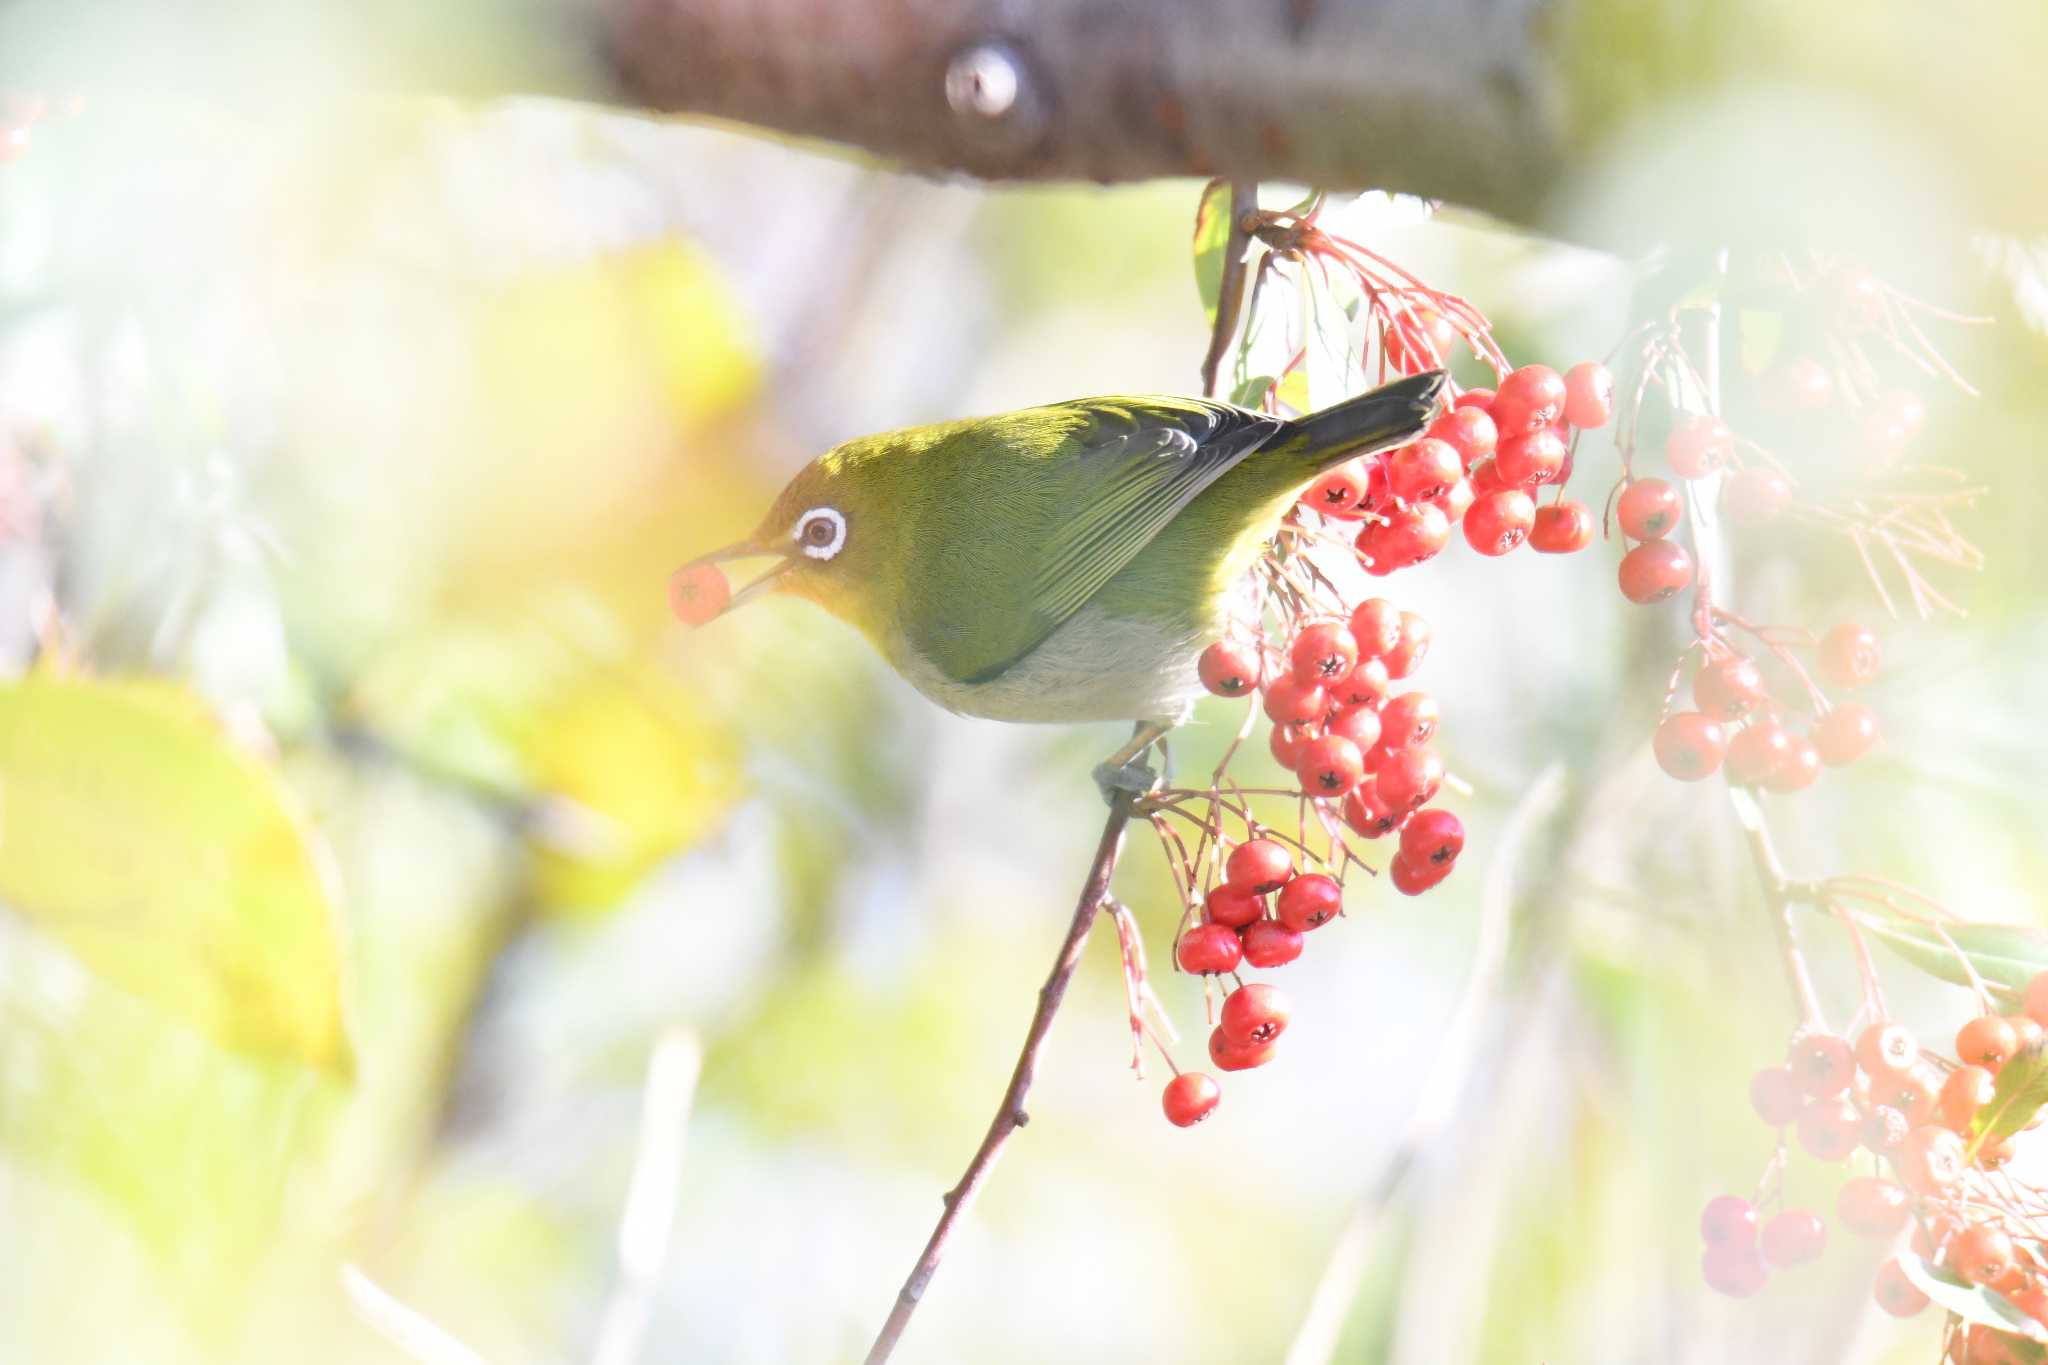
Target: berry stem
1010,1114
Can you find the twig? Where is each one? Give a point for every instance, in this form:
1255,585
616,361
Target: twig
1315,1341
647,1221
405,1327
1244,197
1010,1115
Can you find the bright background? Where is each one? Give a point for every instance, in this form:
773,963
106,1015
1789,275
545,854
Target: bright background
377,426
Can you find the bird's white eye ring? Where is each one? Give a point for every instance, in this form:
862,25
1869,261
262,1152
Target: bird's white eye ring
821,532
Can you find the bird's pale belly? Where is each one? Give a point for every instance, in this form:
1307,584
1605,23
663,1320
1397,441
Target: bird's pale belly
1093,667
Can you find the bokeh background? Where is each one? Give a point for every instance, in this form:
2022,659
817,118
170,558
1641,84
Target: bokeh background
344,446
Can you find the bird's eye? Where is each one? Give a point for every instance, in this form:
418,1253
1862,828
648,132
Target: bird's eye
821,531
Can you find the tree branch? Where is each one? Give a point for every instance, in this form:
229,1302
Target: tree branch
1010,1114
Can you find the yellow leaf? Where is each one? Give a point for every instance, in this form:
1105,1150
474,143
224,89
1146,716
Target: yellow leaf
168,862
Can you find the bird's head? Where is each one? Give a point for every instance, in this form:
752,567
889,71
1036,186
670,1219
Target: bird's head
829,534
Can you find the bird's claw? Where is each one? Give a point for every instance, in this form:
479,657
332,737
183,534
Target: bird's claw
1134,779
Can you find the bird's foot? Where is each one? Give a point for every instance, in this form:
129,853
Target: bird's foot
1133,779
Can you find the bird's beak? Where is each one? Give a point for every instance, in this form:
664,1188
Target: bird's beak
743,550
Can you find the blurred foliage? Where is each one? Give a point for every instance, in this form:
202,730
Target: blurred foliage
169,863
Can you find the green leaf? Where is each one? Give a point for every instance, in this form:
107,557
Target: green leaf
1212,241
2006,956
1252,392
1293,390
1759,333
169,863
2021,1091
1970,1302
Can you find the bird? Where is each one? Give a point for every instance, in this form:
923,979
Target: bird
1062,563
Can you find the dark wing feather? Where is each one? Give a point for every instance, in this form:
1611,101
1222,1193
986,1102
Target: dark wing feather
1127,468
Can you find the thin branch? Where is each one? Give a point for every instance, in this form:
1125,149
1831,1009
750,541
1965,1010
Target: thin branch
412,1332
1010,1115
647,1220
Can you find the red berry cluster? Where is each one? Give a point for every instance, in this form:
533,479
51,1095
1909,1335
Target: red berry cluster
1345,735
1922,1120
1478,466
1259,916
1738,725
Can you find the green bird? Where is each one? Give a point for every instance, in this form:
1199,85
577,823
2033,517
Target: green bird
1060,563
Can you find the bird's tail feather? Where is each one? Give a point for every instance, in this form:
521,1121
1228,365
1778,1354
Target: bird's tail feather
1388,416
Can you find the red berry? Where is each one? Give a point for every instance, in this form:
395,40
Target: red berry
1800,385
1408,720
1256,1013
1529,399
1776,1095
1845,734
1230,668
1433,836
1484,478
1911,1092
1896,1294
1287,742
1343,492
1728,1220
1699,446
1737,1271
1648,509
1755,495
1309,901
1209,948
1330,766
1859,295
1885,1049
1930,1161
1376,626
1290,700
1987,1041
1850,655
1756,751
1655,570
1259,865
1467,430
1906,408
1533,458
1498,522
1688,746
1824,1063
1235,906
1456,500
1361,725
1729,688
1870,1207
1588,395
1190,1097
1405,657
1481,399
1412,535
697,593
1798,767
1561,528
1408,779
1423,469
1269,943
1366,813
1230,1056
1830,1129
1794,1237
1981,1254
1413,876
1365,685
1323,653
